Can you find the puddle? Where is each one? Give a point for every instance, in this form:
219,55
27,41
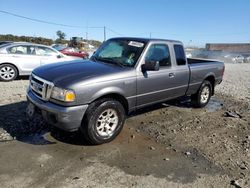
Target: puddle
214,105
134,156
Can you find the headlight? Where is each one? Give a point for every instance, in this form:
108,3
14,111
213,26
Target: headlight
63,94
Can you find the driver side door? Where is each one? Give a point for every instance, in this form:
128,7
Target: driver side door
156,86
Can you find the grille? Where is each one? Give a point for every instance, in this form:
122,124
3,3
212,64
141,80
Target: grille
40,87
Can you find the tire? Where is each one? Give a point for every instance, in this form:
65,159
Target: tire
98,130
8,72
203,95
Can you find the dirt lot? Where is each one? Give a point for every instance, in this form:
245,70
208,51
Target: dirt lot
167,145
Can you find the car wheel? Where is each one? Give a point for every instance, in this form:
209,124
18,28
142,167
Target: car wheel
202,97
103,121
8,72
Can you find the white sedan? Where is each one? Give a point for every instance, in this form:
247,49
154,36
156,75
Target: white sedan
18,59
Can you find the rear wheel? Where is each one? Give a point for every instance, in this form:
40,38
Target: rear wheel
103,121
202,97
8,72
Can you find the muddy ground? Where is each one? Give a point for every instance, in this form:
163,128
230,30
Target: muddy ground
166,145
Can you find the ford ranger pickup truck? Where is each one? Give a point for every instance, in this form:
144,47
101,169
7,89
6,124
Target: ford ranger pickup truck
124,74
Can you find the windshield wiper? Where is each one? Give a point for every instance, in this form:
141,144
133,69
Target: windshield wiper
94,58
109,60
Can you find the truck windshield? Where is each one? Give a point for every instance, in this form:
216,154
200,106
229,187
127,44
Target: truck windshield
119,51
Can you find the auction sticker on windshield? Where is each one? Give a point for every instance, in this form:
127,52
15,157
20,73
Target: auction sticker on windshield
136,44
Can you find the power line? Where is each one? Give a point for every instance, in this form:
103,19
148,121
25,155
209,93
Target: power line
115,32
63,25
111,30
45,22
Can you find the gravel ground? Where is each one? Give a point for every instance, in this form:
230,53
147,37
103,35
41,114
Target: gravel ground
168,145
236,83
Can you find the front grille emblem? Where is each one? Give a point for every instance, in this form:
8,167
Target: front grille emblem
40,87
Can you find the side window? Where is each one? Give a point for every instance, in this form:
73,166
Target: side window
18,50
44,51
159,52
180,55
31,50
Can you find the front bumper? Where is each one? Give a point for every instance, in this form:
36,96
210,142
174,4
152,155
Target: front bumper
66,118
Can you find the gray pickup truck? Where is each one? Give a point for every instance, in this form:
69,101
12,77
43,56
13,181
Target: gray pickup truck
124,74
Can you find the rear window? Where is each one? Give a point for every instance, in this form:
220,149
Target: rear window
180,55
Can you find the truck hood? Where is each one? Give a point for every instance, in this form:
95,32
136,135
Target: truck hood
65,74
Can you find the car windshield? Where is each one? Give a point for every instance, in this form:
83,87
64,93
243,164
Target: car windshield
119,51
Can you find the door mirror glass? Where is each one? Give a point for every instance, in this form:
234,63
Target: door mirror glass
150,66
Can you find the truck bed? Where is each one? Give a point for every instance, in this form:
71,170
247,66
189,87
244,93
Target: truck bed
200,69
199,60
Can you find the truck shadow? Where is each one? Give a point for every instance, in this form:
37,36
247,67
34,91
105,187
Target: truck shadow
13,121
15,126
182,102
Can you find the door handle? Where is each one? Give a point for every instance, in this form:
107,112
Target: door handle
171,75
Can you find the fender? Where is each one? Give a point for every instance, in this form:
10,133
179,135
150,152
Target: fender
208,75
108,91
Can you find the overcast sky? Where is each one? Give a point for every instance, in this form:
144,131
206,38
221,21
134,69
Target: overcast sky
195,22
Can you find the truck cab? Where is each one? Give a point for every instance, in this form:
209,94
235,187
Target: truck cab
170,80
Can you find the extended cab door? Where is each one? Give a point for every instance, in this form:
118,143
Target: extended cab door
181,70
166,83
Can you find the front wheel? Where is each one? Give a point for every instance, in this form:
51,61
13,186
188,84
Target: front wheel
8,72
103,121
203,95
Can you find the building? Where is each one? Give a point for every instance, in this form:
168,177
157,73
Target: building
229,47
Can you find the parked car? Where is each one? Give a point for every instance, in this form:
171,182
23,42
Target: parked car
238,59
18,59
5,42
247,59
125,74
72,52
75,52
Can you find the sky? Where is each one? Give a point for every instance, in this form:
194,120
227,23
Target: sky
194,22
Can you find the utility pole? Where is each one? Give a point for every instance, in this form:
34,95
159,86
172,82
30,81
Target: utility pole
104,33
87,31
150,35
86,36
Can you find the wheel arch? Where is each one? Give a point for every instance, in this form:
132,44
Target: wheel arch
211,79
117,96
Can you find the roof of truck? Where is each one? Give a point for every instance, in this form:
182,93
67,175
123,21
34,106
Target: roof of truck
147,39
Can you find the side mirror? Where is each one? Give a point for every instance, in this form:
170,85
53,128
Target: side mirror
150,66
59,56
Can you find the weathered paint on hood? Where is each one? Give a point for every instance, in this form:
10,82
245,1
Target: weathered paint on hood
68,73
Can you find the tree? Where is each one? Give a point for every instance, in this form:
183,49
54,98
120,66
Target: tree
61,35
38,40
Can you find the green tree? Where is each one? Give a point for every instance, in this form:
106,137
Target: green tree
38,40
61,35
